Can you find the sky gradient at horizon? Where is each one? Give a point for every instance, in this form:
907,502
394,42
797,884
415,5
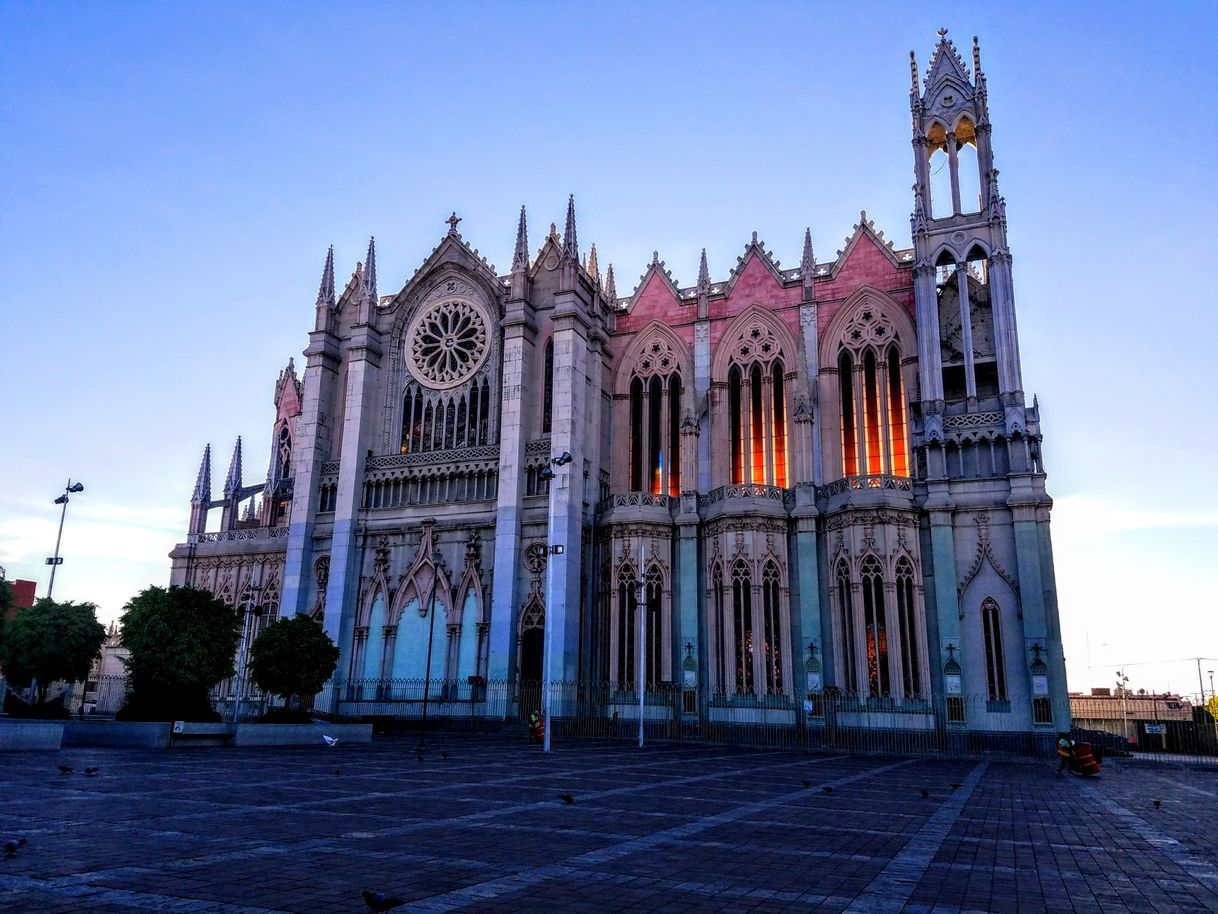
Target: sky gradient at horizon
173,174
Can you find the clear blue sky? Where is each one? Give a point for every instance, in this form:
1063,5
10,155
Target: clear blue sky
171,174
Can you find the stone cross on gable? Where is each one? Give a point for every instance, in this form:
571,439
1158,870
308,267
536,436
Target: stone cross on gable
452,223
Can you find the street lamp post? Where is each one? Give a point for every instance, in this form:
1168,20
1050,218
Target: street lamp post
436,559
641,608
548,475
1123,685
251,590
55,561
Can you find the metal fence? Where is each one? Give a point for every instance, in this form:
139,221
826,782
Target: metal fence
1164,728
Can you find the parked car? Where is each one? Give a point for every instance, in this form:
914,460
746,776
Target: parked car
1102,742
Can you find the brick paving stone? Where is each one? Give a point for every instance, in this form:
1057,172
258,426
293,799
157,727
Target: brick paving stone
672,828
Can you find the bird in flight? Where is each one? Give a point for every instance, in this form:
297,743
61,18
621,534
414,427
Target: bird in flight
379,901
331,741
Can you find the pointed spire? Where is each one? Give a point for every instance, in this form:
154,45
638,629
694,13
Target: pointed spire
610,286
593,269
913,72
232,484
570,245
202,493
370,272
520,261
250,514
703,275
325,293
807,263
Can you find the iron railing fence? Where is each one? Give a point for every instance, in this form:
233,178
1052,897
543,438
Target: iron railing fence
1165,728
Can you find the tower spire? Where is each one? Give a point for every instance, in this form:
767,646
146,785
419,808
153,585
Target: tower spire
202,493
520,261
807,263
325,293
232,484
570,245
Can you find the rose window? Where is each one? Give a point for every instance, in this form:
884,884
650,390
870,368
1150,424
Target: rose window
447,344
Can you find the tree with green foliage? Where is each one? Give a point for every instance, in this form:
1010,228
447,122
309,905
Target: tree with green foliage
6,603
49,642
182,642
292,658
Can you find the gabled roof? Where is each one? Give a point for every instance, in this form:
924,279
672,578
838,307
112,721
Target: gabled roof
654,269
756,249
452,242
865,230
945,63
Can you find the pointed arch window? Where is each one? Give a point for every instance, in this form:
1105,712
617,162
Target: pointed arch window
285,452
723,636
845,627
871,389
772,622
757,407
547,402
627,604
907,620
875,628
655,420
742,619
995,663
655,628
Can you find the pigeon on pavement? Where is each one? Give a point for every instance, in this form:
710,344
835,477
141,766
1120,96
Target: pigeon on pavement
566,798
89,772
827,789
807,783
11,847
64,769
379,901
925,794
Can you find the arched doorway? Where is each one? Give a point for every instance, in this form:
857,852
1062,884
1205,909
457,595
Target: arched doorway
532,654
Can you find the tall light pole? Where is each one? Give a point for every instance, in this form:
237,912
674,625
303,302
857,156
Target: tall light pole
1123,685
641,608
55,561
436,559
251,589
548,475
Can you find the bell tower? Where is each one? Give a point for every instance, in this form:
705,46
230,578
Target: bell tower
968,346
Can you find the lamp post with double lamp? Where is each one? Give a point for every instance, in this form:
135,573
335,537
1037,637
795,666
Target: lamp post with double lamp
55,561
251,591
547,474
436,559
640,604
1123,686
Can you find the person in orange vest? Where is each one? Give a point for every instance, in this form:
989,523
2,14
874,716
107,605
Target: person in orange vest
1065,752
537,727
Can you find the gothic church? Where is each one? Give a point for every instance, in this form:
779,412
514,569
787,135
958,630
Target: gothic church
760,490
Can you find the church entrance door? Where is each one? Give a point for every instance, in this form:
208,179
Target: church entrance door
532,644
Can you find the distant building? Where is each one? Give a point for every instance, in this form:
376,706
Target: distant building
23,595
814,481
106,686
1150,720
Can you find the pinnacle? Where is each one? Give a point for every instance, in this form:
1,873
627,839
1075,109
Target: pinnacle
202,491
610,286
232,483
570,244
703,274
592,268
325,293
520,260
370,272
808,262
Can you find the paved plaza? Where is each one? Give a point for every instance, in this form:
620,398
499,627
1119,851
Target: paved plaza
672,828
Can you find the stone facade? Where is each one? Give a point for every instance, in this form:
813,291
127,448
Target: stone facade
822,480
